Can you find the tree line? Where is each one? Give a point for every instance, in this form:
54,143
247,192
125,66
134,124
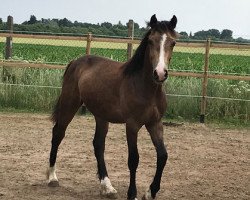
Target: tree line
107,29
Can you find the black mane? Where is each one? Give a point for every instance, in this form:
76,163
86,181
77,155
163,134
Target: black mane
135,64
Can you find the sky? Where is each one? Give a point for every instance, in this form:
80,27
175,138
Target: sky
192,15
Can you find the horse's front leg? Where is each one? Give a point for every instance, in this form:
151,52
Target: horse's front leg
107,189
156,132
133,157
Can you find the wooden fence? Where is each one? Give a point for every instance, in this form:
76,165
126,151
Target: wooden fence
205,74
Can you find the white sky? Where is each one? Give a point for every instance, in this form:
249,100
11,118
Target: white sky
193,15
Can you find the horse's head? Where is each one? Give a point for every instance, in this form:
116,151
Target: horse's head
161,42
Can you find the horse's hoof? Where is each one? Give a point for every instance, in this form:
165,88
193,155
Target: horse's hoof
107,189
110,194
53,183
145,197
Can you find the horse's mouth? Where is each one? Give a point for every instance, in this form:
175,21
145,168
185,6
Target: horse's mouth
157,81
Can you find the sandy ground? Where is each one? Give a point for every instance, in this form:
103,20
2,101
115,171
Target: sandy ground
205,162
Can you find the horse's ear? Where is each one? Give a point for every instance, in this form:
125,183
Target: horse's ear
173,22
153,21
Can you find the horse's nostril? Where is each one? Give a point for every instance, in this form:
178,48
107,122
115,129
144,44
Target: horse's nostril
155,74
166,74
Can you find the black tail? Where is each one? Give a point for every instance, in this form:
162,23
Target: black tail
55,114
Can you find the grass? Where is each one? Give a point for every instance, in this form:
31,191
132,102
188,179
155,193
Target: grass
192,61
59,54
217,62
220,51
37,99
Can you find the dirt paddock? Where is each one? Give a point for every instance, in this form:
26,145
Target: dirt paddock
205,162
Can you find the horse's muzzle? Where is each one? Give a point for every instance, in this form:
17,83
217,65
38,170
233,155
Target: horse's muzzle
160,78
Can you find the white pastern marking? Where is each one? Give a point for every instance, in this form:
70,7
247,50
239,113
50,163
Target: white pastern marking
160,67
52,174
148,195
106,187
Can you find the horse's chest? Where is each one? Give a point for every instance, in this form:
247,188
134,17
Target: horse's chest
149,111
155,111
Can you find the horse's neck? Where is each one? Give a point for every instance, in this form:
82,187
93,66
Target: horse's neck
147,72
144,74
150,87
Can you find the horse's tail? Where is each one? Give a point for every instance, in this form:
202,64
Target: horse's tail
66,70
55,113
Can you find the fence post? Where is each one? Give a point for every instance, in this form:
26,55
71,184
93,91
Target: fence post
88,51
8,51
205,81
88,46
131,36
8,48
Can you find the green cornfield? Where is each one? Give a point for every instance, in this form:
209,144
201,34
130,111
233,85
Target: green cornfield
36,90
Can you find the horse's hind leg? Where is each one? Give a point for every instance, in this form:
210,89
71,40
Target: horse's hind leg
99,147
67,107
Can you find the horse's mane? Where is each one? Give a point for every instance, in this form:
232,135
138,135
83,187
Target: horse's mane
135,64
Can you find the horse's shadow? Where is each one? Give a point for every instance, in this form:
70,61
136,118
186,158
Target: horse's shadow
65,191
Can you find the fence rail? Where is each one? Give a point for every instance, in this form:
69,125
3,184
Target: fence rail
21,64
90,39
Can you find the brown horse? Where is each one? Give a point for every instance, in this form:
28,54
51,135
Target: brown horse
130,93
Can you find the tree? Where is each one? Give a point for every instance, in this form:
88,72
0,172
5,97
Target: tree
66,26
1,24
136,26
190,35
214,33
106,25
242,40
226,34
120,26
32,19
65,22
183,34
201,35
55,20
211,33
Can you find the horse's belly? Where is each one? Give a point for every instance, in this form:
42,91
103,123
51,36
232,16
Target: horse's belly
110,112
101,96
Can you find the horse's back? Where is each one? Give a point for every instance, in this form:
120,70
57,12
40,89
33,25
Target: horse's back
96,62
